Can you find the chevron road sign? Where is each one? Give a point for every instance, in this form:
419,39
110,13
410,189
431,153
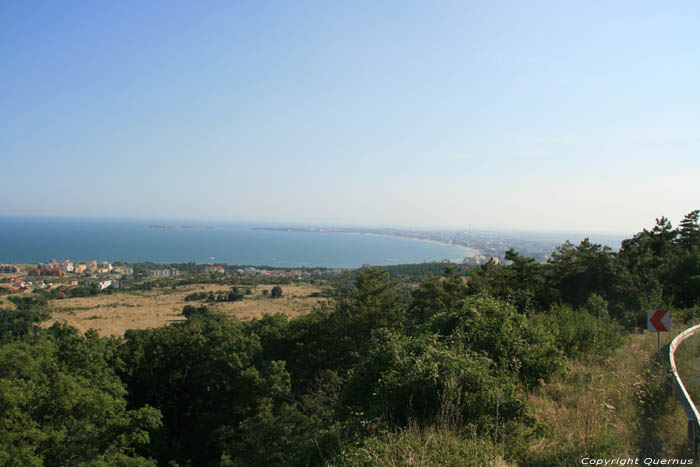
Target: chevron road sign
658,320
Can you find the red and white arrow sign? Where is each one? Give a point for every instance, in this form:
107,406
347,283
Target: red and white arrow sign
658,320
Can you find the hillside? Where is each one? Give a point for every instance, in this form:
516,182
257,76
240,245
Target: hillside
519,364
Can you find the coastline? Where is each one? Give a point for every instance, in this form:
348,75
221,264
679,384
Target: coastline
38,240
472,251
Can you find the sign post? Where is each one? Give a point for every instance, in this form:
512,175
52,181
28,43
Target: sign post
659,321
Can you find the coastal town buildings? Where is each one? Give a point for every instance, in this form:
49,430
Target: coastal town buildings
46,270
162,272
122,270
9,268
214,269
66,266
102,285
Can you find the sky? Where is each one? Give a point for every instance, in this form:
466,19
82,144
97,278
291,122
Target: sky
496,114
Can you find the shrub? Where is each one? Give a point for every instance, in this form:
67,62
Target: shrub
495,328
580,333
425,380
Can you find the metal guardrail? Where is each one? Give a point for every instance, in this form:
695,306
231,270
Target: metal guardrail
691,412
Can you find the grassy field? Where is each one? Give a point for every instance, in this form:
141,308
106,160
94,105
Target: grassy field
620,405
112,315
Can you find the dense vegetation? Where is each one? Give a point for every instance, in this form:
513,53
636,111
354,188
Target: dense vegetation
442,368
233,295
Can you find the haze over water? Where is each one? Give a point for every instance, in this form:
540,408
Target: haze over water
497,115
28,240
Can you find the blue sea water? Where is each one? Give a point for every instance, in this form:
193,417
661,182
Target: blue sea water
29,240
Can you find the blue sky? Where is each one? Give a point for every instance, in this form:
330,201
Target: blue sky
534,115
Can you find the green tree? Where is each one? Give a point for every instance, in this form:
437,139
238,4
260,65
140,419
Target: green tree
363,306
576,272
276,292
236,295
644,267
62,404
520,282
209,379
689,230
15,324
684,281
524,276
436,295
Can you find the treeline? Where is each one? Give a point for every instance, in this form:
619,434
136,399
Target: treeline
135,283
416,272
233,295
657,268
443,368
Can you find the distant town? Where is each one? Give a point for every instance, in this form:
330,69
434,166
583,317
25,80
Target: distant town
483,244
62,268
483,247
105,275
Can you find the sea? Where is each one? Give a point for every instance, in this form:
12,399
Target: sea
38,239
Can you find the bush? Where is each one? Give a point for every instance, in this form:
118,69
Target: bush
581,333
17,324
688,315
191,312
195,296
276,292
424,380
487,325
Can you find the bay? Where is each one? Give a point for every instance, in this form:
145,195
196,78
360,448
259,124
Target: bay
38,239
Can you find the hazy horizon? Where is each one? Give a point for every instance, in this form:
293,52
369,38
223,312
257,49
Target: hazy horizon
521,116
297,224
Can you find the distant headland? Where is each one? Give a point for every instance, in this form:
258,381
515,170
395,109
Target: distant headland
187,227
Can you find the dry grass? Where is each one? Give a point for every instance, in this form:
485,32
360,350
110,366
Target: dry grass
112,315
688,364
421,447
622,405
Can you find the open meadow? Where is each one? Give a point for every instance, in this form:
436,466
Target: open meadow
113,314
